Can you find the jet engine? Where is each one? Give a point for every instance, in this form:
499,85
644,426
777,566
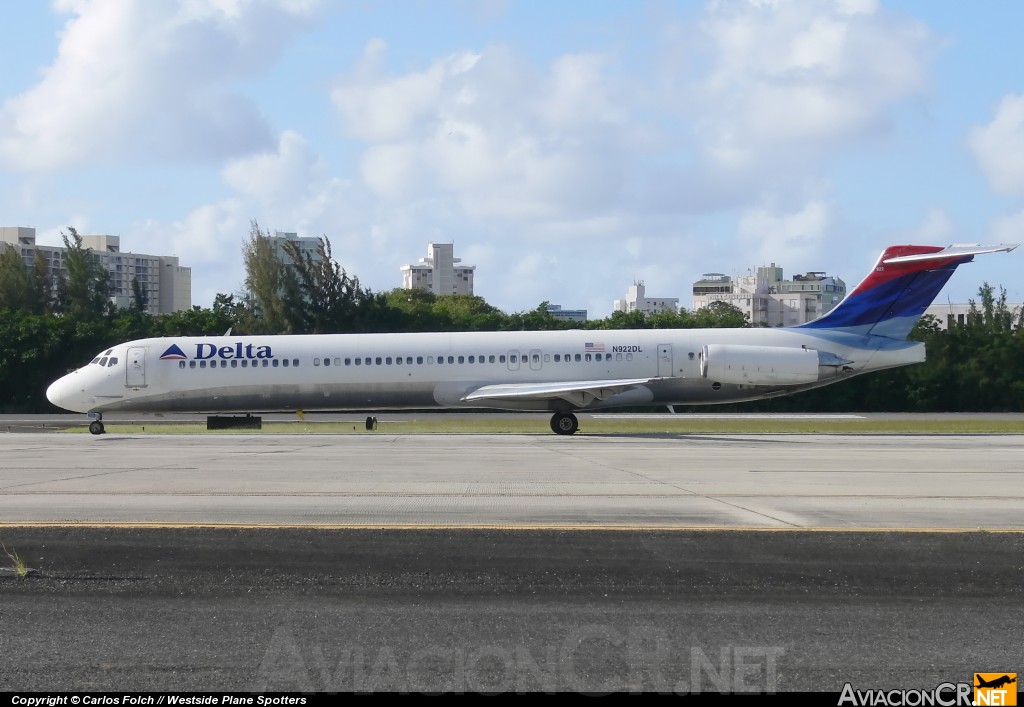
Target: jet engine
764,365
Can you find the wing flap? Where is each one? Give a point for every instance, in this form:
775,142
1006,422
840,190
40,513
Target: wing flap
578,393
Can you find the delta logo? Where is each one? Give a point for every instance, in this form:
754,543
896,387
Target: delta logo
206,351
995,689
173,354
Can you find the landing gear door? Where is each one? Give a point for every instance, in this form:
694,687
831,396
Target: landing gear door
135,371
664,360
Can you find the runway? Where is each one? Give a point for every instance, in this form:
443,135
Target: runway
807,482
512,563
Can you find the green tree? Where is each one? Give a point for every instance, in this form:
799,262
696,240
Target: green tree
85,293
321,297
265,276
15,289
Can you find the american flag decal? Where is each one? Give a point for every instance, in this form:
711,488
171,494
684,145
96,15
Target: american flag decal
593,347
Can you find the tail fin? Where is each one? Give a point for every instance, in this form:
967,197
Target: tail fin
905,280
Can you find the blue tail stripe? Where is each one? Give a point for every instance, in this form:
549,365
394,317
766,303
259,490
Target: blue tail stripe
905,297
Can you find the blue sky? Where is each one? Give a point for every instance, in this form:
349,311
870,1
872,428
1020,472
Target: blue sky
568,149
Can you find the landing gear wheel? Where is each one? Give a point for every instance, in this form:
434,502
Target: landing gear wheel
96,427
564,423
371,423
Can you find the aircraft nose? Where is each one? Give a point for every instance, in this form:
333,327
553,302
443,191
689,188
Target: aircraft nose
61,394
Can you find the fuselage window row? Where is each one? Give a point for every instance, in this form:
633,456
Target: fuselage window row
482,358
244,363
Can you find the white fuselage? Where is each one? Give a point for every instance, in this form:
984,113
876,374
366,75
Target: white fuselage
424,370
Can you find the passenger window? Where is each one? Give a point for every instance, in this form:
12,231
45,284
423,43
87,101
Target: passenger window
202,364
266,363
275,363
451,359
181,364
618,357
462,359
501,358
387,360
245,364
337,360
536,358
327,362
398,360
430,359
472,359
490,359
587,357
285,363
419,359
547,358
234,363
629,357
440,359
192,364
359,361
295,362
316,362
408,360
223,364
348,362
513,359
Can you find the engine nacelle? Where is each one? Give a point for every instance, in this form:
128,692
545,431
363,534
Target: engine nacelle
758,365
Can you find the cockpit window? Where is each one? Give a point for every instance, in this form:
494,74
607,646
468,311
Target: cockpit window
103,361
108,352
95,360
112,361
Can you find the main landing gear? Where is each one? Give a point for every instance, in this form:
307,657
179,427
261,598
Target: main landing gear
96,426
564,423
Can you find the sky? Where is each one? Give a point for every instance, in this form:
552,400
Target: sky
568,149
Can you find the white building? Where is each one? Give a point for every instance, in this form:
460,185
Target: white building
569,315
166,285
956,314
438,272
637,300
769,300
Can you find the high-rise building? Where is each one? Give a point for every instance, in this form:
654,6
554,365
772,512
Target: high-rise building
438,272
637,301
165,284
769,300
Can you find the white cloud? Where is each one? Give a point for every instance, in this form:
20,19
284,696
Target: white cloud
1008,229
134,81
937,228
767,235
791,82
999,147
485,130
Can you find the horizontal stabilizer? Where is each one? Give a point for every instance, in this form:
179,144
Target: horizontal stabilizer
953,251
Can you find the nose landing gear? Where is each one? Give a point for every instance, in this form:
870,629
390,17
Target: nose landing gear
96,426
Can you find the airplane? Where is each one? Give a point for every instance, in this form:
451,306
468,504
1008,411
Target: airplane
561,372
996,683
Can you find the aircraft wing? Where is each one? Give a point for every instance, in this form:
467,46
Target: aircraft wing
579,393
